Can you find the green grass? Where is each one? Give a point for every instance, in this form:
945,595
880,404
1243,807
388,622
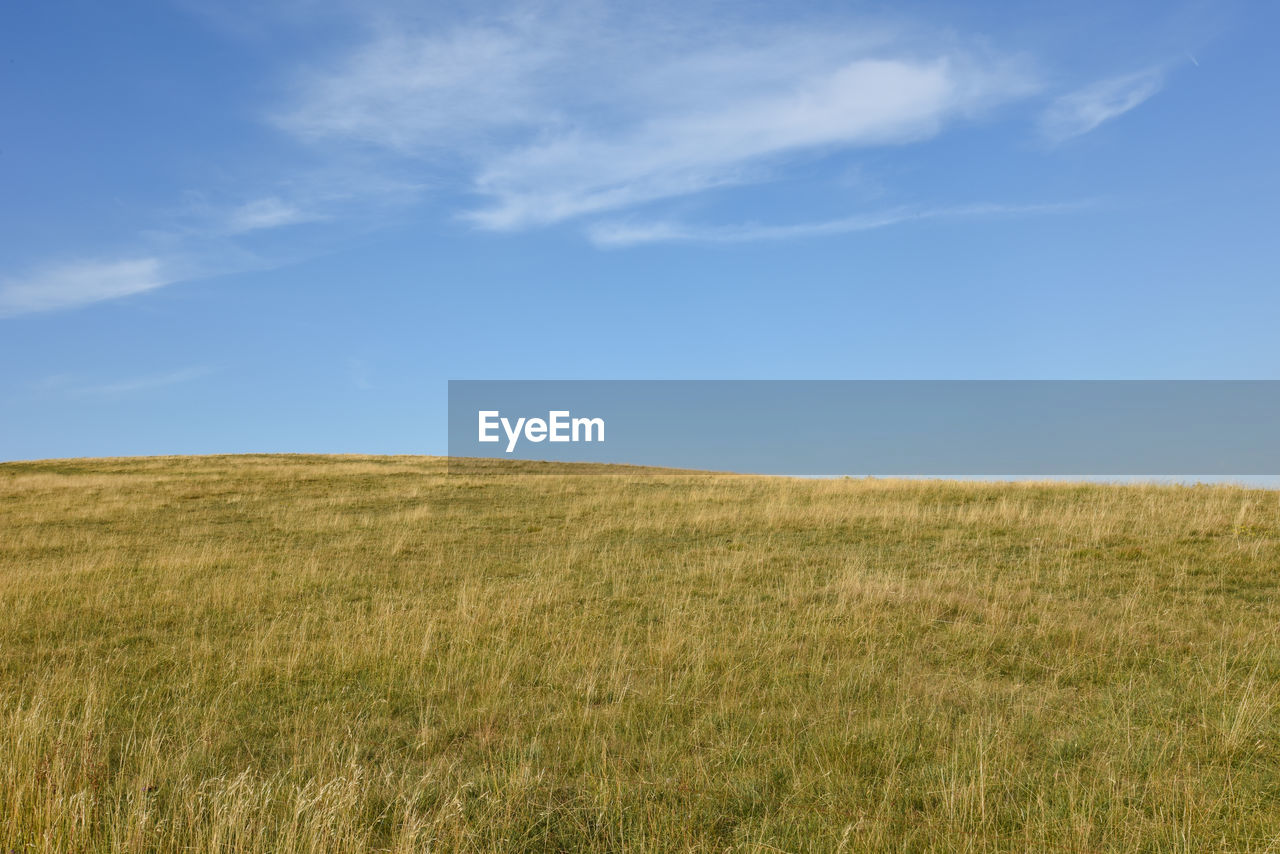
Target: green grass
289,653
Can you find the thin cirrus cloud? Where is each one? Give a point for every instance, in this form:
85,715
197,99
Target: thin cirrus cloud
861,103
558,122
615,235
587,114
267,213
144,383
80,283
1079,112
69,385
187,256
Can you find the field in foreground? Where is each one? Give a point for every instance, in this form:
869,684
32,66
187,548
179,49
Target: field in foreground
353,654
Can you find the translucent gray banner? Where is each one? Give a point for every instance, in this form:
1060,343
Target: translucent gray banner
887,427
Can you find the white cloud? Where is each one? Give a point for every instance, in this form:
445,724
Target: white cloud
410,93
81,283
559,118
266,213
616,235
69,385
1081,111
574,111
865,102
145,383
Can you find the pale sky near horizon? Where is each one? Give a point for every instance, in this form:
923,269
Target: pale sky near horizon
283,225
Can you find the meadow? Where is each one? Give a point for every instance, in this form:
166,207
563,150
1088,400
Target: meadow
349,654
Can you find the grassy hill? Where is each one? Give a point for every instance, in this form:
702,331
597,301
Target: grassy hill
322,654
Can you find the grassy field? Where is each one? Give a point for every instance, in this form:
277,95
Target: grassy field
327,654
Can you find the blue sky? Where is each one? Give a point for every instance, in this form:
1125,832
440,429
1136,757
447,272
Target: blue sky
282,226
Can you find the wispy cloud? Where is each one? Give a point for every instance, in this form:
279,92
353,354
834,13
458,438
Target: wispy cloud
71,386
183,258
621,234
860,103
560,119
199,243
1081,111
524,115
424,92
267,213
81,283
145,383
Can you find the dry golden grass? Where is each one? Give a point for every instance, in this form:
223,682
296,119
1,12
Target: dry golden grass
306,654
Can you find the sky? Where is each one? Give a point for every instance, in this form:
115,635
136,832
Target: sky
283,226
